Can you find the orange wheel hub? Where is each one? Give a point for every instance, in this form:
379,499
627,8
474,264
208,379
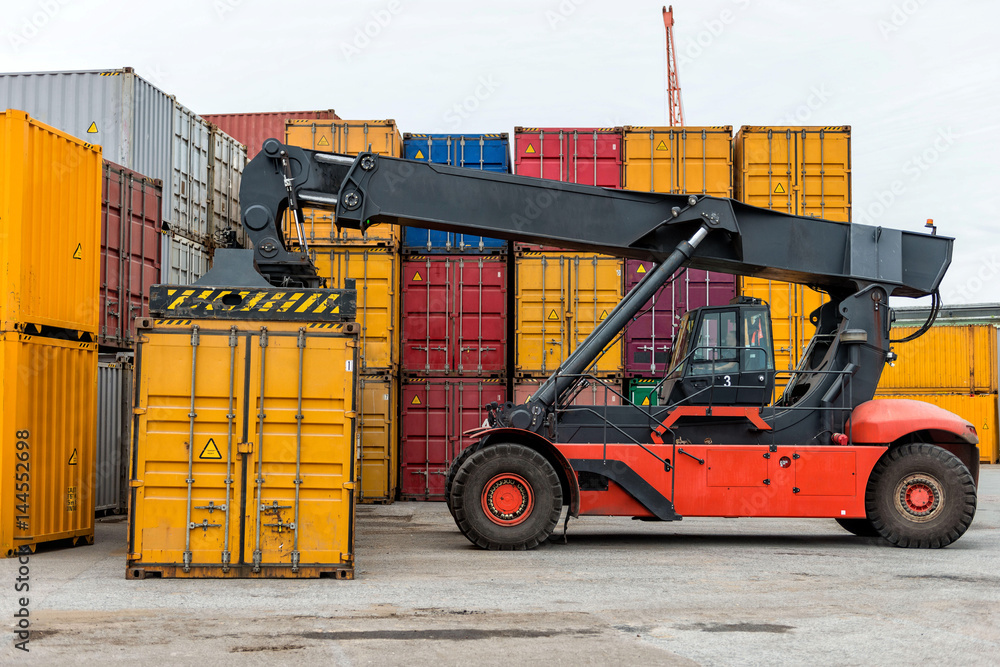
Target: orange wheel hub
507,499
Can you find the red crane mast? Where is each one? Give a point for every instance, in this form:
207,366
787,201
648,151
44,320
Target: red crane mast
673,86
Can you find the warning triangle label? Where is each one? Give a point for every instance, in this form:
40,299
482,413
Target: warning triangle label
92,129
323,141
604,315
645,401
78,253
419,155
641,269
553,315
661,146
211,451
416,276
779,189
529,149
73,458
415,401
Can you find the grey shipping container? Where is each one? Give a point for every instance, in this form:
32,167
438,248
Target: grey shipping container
227,160
190,189
114,401
126,115
189,260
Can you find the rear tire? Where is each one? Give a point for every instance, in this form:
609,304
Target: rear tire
859,527
920,496
506,497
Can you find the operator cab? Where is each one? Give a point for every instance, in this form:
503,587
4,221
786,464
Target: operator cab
723,355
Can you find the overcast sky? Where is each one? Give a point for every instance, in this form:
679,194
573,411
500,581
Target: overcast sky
917,80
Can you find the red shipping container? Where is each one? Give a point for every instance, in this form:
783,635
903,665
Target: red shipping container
252,129
455,316
588,156
435,414
598,392
131,218
649,337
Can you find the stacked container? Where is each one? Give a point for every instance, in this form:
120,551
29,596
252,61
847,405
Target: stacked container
145,130
369,263
253,129
953,366
562,295
50,209
672,160
802,171
455,305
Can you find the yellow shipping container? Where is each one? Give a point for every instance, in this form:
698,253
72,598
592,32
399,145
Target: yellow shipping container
347,137
227,479
802,171
48,395
679,160
375,272
50,214
945,360
378,438
980,410
561,298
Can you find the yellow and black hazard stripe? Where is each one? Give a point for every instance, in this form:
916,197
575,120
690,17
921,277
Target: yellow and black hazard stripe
312,305
173,322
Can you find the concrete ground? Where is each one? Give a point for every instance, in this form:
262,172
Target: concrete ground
702,591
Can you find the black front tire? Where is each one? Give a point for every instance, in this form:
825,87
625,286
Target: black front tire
859,527
920,496
506,497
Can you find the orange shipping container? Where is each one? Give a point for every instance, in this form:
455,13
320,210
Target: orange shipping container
347,137
945,360
679,160
980,410
50,221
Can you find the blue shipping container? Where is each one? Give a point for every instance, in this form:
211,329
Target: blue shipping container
489,152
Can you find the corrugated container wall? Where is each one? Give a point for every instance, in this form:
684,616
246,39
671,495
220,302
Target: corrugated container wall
116,109
377,438
131,217
253,129
454,316
226,160
486,152
48,396
216,422
649,337
588,156
188,260
560,299
695,160
979,409
347,137
673,160
946,359
114,413
190,190
50,208
802,171
594,393
435,414
374,272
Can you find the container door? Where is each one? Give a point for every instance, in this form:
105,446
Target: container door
187,458
427,316
299,469
479,315
376,437
544,317
597,289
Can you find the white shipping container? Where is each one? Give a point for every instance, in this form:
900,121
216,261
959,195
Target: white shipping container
126,115
189,260
227,160
114,381
190,190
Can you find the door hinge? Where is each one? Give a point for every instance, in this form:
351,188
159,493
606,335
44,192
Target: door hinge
244,447
135,483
